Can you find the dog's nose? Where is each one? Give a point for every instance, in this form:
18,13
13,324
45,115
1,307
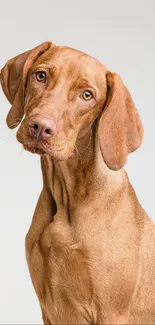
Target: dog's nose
42,128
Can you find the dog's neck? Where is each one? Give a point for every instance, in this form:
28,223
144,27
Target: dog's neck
84,174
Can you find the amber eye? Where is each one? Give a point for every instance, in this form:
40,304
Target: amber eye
41,76
87,95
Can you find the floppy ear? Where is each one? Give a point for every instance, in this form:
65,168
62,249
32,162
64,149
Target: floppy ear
13,77
120,128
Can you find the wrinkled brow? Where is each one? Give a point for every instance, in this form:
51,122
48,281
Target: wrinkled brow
83,83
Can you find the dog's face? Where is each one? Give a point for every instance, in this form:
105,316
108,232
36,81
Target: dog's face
65,92
61,92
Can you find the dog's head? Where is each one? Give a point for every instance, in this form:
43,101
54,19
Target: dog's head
61,92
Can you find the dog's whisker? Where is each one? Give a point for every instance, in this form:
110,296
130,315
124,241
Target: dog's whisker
78,154
95,124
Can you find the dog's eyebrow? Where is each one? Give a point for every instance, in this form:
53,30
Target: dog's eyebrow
84,83
52,68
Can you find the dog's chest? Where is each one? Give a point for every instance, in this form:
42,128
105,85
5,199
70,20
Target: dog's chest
85,262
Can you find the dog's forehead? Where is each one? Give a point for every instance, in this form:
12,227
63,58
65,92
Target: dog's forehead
72,61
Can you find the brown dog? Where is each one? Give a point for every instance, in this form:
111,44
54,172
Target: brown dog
91,246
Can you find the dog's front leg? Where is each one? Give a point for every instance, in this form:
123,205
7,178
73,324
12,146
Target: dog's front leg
43,215
45,318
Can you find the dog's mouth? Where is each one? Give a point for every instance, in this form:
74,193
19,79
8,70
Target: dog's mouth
57,151
60,147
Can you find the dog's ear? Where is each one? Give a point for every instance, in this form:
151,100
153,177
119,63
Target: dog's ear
13,77
120,128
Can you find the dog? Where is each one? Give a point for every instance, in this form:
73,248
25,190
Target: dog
90,248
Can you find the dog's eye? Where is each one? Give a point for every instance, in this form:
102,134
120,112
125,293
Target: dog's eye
41,76
87,95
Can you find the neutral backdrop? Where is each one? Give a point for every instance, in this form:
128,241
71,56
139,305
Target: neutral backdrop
121,34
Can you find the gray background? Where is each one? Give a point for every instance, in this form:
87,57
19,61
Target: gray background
121,34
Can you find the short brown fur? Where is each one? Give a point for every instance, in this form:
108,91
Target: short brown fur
91,246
